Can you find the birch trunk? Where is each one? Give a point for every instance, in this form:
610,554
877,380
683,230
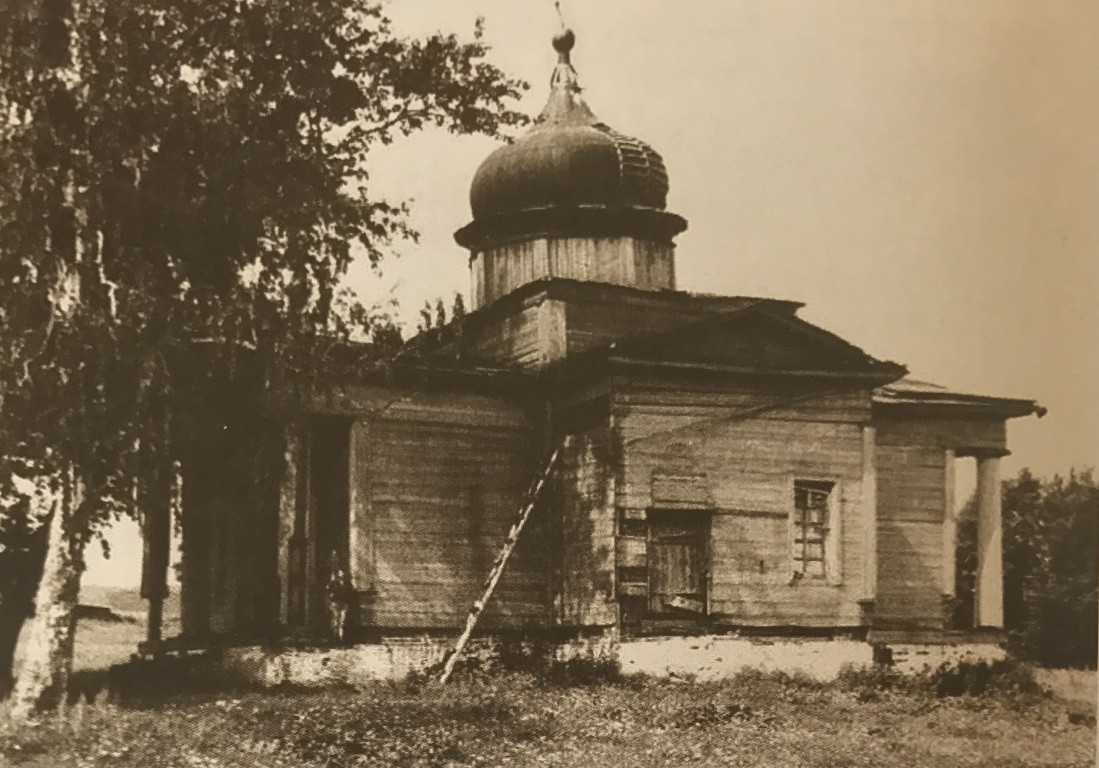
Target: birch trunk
44,673
16,601
11,623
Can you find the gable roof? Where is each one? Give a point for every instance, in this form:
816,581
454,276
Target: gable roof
621,306
754,339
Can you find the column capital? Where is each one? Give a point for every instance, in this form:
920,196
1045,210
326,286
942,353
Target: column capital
981,453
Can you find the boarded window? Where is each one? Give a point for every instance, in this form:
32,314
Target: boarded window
678,544
811,523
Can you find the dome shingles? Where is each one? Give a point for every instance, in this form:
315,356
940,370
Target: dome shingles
569,159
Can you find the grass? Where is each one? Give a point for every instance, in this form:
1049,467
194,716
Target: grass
574,717
518,719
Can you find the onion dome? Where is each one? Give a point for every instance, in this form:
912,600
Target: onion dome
570,174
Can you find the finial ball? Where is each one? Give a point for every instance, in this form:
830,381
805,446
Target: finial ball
564,40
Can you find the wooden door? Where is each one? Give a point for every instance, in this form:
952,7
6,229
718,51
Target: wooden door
678,562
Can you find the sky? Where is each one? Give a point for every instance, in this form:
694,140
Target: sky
923,174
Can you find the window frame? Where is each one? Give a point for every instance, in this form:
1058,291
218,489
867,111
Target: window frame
831,537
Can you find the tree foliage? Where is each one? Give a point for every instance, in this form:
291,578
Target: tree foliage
187,175
195,171
434,315
1051,567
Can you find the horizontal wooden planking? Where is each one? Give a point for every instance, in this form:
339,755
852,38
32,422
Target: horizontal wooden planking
442,615
908,573
640,389
740,544
451,572
451,487
586,594
660,419
939,433
459,523
850,619
635,428
458,409
514,340
442,489
730,574
678,491
461,593
902,458
753,537
453,594
802,597
911,484
445,439
801,614
759,449
748,466
632,552
394,499
443,548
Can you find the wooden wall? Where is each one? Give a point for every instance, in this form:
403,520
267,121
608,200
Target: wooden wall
529,339
618,260
583,503
546,329
744,470
441,477
912,497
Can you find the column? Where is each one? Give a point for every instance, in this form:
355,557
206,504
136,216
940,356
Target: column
989,597
156,528
288,513
869,514
360,508
950,528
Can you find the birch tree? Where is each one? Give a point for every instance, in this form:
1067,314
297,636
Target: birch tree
182,173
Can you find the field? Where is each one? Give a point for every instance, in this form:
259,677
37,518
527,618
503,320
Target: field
99,644
517,719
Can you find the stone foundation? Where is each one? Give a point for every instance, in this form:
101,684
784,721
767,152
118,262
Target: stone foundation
708,657
912,659
389,659
717,656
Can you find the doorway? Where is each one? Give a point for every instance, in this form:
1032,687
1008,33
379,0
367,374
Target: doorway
320,540
678,563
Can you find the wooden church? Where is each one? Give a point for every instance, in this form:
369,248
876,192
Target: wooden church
729,470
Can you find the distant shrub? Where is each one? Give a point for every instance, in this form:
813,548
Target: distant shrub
1005,678
582,671
753,677
866,681
1051,568
799,680
966,678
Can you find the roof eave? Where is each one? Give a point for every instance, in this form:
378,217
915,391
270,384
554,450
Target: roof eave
1007,408
884,373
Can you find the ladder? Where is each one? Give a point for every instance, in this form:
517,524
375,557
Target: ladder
530,501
